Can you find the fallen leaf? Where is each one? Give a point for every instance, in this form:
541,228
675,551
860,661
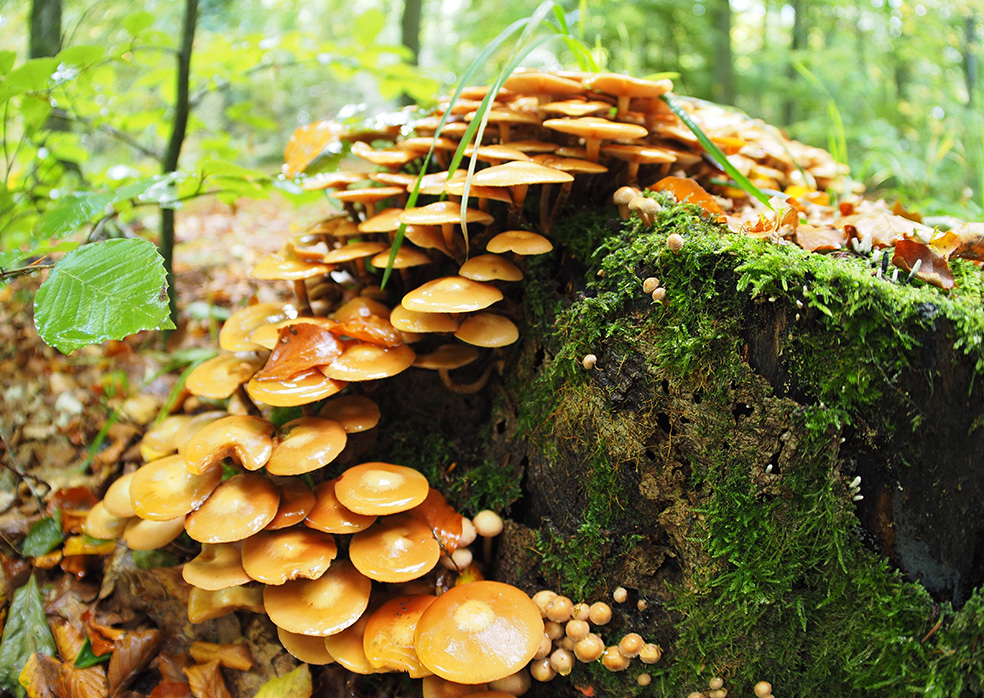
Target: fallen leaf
686,190
372,329
930,266
133,652
884,228
171,689
300,347
813,238
231,656
442,519
206,680
966,241
25,634
39,677
293,684
308,142
89,682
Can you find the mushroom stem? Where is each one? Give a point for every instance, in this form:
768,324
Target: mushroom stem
300,290
565,191
248,403
623,106
469,388
592,149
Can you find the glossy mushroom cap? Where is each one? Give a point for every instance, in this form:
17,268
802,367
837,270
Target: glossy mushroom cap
235,330
216,567
479,632
164,489
331,516
238,508
310,649
389,634
395,549
322,606
99,523
296,502
246,438
378,489
219,377
307,444
451,294
142,534
276,557
355,413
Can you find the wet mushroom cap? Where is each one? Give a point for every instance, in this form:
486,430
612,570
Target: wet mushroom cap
389,634
362,362
99,523
164,489
490,267
354,412
447,356
413,321
238,508
309,386
309,649
435,687
235,330
204,605
143,534
216,567
348,645
331,516
219,377
354,250
246,438
276,557
296,501
451,294
379,489
395,549
521,242
479,632
306,444
488,330
117,497
321,606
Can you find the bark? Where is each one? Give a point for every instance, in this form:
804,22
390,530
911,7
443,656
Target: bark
723,89
796,44
179,125
412,10
970,57
46,22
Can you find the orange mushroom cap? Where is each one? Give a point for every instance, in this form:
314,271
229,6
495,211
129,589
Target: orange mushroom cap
310,649
246,438
389,635
395,549
296,501
216,567
354,412
164,489
238,508
331,516
306,444
219,377
276,557
378,489
322,606
479,632
235,330
451,294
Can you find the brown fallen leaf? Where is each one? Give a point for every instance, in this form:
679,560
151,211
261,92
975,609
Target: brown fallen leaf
966,241
171,689
825,238
372,329
300,347
39,677
884,228
206,680
442,519
132,654
82,683
930,266
231,656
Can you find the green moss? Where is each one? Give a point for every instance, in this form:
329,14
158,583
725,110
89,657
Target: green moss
788,593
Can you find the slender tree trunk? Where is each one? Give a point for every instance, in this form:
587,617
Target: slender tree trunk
723,89
970,56
412,10
46,22
179,126
798,41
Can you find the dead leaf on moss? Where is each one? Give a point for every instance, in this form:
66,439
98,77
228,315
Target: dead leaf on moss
884,228
930,266
686,190
966,241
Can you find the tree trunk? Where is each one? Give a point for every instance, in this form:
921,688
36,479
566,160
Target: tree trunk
796,44
46,22
410,36
970,56
179,125
723,89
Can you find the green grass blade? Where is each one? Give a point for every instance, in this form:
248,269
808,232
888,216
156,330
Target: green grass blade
714,151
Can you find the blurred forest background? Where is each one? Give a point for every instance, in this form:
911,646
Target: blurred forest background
891,87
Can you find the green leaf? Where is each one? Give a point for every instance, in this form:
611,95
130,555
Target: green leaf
81,55
100,291
293,684
31,76
45,535
25,633
70,213
152,559
7,258
136,22
7,60
87,658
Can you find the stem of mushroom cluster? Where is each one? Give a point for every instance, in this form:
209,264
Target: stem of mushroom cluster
469,388
300,290
247,401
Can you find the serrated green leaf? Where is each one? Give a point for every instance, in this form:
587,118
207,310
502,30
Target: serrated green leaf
100,291
25,633
293,684
70,213
45,535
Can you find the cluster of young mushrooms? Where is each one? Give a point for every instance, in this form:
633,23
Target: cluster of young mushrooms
238,483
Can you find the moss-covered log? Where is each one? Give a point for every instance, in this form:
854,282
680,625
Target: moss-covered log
708,461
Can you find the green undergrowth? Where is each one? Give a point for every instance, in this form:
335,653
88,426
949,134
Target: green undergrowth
787,592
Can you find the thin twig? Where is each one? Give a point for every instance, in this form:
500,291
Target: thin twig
110,130
23,271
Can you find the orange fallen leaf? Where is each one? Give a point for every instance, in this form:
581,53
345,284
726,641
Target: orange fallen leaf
686,190
884,228
300,347
39,677
206,681
966,241
171,689
442,519
814,238
231,656
82,683
308,142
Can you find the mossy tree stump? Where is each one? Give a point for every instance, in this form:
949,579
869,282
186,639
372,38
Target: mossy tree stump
706,461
